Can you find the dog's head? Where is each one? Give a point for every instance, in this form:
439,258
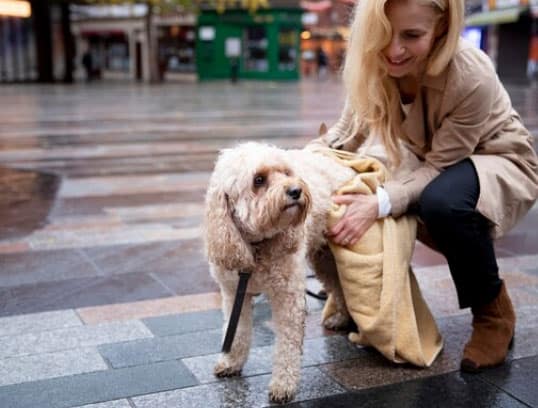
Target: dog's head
253,195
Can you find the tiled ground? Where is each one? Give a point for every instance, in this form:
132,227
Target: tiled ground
105,297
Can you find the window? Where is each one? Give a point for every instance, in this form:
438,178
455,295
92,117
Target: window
255,50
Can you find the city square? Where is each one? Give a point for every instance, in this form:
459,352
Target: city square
105,295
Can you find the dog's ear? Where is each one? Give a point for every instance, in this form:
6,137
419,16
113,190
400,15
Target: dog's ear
224,244
322,129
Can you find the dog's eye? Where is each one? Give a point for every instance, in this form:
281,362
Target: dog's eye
259,180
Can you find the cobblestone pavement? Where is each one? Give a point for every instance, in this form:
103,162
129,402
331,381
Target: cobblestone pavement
105,297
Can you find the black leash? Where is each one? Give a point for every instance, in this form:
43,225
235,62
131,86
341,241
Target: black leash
236,311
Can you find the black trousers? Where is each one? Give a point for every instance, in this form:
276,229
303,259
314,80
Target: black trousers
447,207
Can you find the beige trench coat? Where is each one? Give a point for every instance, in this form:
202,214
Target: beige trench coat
464,112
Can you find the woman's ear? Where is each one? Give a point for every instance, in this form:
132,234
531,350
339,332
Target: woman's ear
224,244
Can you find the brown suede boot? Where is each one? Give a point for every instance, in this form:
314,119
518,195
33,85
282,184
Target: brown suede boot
493,333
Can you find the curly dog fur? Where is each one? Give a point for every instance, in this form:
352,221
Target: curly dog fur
266,211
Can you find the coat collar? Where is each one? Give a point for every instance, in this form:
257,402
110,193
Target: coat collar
415,123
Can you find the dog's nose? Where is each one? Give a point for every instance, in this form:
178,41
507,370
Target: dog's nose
294,192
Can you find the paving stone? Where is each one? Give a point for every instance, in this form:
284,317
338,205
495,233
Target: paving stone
70,338
173,347
260,361
444,391
249,392
198,321
109,404
36,322
33,267
184,323
518,378
371,369
97,387
161,348
49,365
79,292
150,308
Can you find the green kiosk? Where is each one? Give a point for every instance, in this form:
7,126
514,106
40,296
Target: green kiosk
237,44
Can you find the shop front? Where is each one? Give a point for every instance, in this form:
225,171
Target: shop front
17,50
505,30
240,45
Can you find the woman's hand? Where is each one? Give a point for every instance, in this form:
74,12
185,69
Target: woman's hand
360,215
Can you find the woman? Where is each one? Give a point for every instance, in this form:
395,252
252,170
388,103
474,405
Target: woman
411,80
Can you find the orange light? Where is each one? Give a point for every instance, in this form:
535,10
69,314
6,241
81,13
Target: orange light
15,8
306,35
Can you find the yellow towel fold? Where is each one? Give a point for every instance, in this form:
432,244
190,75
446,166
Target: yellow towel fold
380,288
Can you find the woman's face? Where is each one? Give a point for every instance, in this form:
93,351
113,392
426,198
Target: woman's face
413,36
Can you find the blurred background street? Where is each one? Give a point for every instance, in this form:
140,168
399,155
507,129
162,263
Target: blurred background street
105,296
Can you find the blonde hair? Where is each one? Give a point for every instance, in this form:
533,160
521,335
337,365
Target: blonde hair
373,95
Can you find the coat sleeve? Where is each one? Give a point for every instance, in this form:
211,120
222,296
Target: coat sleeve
456,139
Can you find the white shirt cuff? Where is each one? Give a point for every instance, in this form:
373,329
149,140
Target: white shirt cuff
384,203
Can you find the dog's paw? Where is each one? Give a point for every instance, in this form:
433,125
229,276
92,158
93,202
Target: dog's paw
336,321
281,393
224,369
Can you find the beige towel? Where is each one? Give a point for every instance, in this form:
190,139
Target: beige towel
380,289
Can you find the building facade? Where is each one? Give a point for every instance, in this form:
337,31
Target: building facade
17,48
237,44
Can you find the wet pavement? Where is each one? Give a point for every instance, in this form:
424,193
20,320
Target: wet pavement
105,296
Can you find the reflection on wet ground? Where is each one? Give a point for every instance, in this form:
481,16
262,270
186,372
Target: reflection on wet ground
26,198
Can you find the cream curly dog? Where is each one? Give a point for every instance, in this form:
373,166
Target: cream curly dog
266,213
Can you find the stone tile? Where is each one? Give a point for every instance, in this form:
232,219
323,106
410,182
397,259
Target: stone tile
109,404
13,247
97,387
314,328
44,266
46,240
99,205
316,351
124,185
371,369
146,257
444,391
150,308
50,365
424,256
249,392
36,322
160,211
81,292
517,378
173,347
146,351
71,338
184,323
199,321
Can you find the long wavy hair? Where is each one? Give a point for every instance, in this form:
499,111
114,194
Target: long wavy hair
374,95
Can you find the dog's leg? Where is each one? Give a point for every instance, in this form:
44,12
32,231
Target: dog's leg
289,310
324,267
231,363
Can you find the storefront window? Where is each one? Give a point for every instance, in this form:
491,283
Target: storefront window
117,56
255,50
287,50
176,49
